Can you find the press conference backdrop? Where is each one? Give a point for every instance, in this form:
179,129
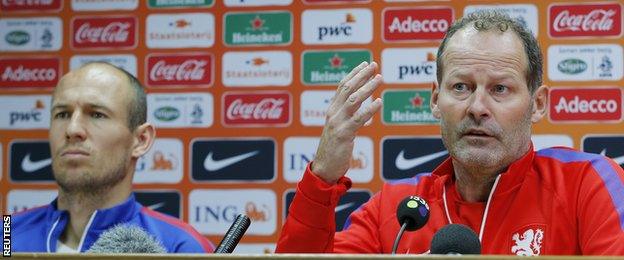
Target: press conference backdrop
238,92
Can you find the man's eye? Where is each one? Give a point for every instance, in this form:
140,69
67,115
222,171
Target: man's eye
500,88
98,115
61,115
460,87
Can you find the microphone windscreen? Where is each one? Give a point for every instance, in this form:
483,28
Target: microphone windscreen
124,238
455,239
415,211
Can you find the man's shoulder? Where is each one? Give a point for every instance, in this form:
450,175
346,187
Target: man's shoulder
172,230
31,216
570,158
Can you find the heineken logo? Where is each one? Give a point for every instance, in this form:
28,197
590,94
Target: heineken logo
329,67
572,66
258,28
407,107
17,37
167,113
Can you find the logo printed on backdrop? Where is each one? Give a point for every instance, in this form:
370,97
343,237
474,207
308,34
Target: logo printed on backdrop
258,28
546,141
259,108
407,107
585,62
30,161
31,34
249,3
584,20
166,202
213,216
257,69
585,104
337,26
162,163
328,67
171,110
231,160
128,62
180,30
31,6
349,202
19,200
525,14
409,65
299,151
24,111
104,32
104,5
179,4
29,72
404,157
314,104
179,69
409,24
611,146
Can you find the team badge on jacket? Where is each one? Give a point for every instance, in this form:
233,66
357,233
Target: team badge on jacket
528,241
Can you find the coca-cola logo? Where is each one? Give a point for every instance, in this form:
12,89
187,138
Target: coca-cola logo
30,5
416,23
185,69
585,20
595,104
104,32
29,72
258,108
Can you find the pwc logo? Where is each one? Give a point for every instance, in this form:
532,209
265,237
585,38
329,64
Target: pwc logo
31,6
28,72
30,161
179,69
585,104
611,146
409,65
104,32
25,112
213,216
337,26
585,20
259,108
349,202
413,24
166,202
404,157
232,160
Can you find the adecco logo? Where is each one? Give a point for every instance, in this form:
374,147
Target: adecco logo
571,20
26,72
406,24
585,104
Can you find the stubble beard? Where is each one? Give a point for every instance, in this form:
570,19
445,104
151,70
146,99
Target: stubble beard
93,182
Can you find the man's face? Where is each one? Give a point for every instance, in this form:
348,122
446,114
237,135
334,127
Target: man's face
89,136
483,102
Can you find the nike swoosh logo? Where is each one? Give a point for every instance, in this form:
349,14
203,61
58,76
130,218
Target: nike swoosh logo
344,206
30,166
212,165
618,160
156,206
404,164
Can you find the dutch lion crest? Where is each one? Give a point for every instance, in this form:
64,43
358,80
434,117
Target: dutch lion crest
529,243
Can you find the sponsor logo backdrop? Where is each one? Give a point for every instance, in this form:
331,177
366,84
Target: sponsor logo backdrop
238,92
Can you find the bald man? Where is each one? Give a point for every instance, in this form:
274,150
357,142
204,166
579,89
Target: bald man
98,131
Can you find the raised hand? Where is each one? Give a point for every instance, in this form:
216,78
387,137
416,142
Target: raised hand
343,121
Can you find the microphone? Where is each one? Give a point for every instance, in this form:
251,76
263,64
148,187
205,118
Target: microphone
412,214
233,235
124,238
455,239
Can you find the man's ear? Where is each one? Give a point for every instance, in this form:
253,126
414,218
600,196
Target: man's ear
540,103
433,104
144,136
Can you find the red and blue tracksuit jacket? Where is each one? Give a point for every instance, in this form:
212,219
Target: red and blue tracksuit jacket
39,229
555,201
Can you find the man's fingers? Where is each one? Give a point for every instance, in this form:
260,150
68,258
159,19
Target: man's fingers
352,73
355,100
356,82
360,118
